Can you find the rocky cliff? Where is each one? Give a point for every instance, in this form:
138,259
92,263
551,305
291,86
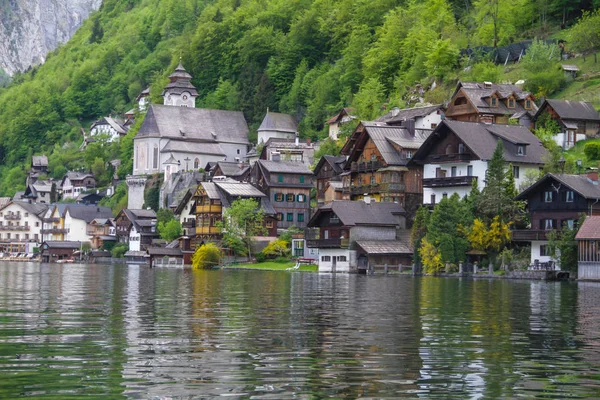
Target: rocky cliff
29,29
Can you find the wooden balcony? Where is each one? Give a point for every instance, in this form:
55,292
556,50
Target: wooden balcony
367,166
362,189
327,243
212,208
449,158
12,216
51,220
56,231
528,235
390,187
448,181
207,230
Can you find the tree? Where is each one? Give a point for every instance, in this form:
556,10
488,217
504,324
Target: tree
99,169
277,248
563,246
543,75
431,258
170,231
206,256
241,221
489,238
418,232
584,37
369,99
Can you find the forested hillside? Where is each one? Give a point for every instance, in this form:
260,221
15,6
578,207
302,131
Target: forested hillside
304,57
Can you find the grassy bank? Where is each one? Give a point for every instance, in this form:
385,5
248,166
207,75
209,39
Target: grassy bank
274,266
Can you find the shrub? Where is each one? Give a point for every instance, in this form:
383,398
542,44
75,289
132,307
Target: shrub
206,256
119,250
277,249
592,151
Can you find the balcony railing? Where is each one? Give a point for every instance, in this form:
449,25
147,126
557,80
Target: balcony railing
367,166
213,208
529,234
390,187
448,158
51,220
188,224
325,243
96,233
448,181
12,216
362,189
14,228
57,231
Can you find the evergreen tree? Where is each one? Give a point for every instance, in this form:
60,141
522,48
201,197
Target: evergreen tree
445,227
418,232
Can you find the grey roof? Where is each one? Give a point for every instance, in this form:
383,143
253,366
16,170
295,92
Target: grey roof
284,167
233,168
38,209
165,251
267,206
239,189
353,213
396,116
141,214
186,146
211,190
62,244
180,82
567,109
116,124
385,246
39,161
478,92
482,140
195,124
42,186
77,176
384,135
336,162
337,117
19,195
278,122
88,212
579,183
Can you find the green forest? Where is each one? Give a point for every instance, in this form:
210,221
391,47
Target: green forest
305,57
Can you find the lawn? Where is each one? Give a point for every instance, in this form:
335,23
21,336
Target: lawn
274,266
576,153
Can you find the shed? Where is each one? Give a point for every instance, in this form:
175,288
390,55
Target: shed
59,251
588,249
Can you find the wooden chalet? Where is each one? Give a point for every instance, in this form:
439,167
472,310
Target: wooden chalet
327,168
234,170
578,120
491,103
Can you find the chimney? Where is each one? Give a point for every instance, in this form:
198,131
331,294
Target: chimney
409,124
592,176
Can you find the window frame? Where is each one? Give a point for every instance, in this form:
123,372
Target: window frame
290,197
290,217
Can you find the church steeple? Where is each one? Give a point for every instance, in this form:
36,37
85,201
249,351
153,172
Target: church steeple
180,91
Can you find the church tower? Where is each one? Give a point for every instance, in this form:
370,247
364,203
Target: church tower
180,92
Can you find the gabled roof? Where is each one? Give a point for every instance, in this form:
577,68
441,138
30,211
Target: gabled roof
194,124
39,161
590,229
384,247
578,183
239,189
396,115
38,209
278,122
482,139
62,244
211,190
344,111
574,110
77,176
336,163
233,168
477,93
284,167
353,213
88,212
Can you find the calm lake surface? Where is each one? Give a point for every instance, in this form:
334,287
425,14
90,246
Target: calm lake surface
70,331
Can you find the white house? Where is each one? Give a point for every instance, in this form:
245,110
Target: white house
427,117
78,216
75,183
111,127
335,122
21,226
457,153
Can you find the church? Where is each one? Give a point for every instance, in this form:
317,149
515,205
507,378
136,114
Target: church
178,136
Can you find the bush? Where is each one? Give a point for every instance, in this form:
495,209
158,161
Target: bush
119,250
260,257
206,256
592,151
277,249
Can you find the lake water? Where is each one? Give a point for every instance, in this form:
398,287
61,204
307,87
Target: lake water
135,332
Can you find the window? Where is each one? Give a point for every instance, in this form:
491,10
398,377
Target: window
290,217
301,198
290,197
548,224
528,104
520,150
35,236
548,196
568,223
196,163
494,102
461,148
300,217
27,236
516,171
334,219
17,236
279,217
238,151
460,101
433,126
544,251
433,199
280,178
325,258
26,215
373,157
453,171
26,223
341,258
409,154
301,178
269,223
155,157
278,196
469,170
372,180
511,103
444,195
569,196
8,235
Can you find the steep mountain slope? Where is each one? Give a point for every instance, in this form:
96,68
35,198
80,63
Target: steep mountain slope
29,29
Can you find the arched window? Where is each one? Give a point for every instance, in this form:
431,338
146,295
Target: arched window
196,163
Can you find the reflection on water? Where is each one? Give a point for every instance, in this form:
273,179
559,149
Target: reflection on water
135,332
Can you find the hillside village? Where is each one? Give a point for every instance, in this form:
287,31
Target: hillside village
352,212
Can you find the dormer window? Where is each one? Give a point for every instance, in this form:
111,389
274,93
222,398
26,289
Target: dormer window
520,150
511,103
494,102
528,104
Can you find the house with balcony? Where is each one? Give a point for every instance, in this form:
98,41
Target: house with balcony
491,103
39,167
77,217
578,120
457,153
556,201
137,228
290,150
53,228
20,226
426,117
75,183
327,169
287,186
351,236
213,198
101,231
378,164
112,128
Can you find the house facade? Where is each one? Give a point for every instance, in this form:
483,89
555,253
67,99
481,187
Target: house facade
21,226
491,103
75,183
426,117
137,228
277,126
112,128
458,153
554,202
336,122
101,231
588,249
292,150
328,168
287,186
338,228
